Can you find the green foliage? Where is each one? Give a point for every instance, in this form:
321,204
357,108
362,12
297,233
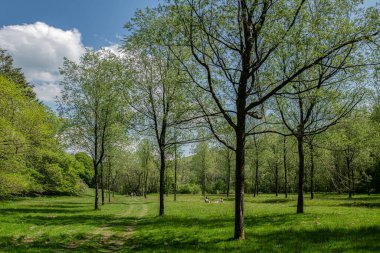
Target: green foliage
85,168
31,160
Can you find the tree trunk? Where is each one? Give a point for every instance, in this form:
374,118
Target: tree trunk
166,183
146,182
228,172
102,180
353,180
276,178
239,177
311,171
285,171
175,172
301,173
109,181
349,177
256,188
204,175
162,182
96,186
257,178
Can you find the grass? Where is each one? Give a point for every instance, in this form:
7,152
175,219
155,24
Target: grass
331,223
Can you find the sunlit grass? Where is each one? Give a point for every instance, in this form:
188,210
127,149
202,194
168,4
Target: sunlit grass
331,223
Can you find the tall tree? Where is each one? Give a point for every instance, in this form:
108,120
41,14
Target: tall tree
235,44
90,103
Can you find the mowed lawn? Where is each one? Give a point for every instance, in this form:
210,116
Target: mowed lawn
331,223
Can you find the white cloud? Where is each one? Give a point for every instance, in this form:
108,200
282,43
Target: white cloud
47,92
115,49
39,50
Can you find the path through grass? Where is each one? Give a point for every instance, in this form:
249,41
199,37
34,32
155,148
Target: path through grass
332,223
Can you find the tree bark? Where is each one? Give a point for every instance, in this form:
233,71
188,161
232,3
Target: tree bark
311,170
239,177
349,177
175,172
256,188
285,170
301,175
102,180
96,186
109,181
162,182
276,178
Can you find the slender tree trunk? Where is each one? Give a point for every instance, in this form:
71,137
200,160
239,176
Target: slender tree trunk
204,175
311,170
285,170
162,182
349,177
109,181
166,183
102,180
96,186
276,178
146,182
353,180
301,175
228,172
175,172
256,188
257,178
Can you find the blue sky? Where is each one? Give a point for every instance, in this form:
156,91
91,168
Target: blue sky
40,33
99,21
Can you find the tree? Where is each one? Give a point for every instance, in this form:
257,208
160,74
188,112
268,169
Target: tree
235,44
14,74
146,157
91,104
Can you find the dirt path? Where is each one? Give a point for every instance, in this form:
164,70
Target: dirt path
113,241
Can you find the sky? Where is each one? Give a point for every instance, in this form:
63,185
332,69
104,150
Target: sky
40,33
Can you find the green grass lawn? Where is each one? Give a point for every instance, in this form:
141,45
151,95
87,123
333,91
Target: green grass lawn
331,223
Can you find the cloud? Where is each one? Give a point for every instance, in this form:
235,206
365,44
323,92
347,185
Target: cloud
39,50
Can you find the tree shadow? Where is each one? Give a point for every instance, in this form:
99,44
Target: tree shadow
361,204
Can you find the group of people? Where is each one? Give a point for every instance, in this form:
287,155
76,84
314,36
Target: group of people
207,200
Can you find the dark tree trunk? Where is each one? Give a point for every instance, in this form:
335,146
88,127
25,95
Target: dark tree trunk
349,177
162,182
285,170
102,180
311,171
276,178
109,181
96,186
146,182
353,180
256,187
175,172
204,175
239,180
228,172
256,193
166,183
301,175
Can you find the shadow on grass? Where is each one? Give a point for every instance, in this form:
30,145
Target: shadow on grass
361,204
275,200
203,240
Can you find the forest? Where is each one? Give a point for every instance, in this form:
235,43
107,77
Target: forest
262,106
